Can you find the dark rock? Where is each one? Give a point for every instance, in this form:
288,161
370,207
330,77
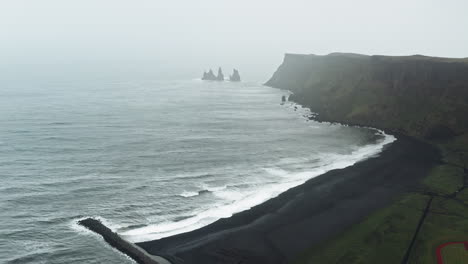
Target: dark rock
117,242
220,76
209,76
235,77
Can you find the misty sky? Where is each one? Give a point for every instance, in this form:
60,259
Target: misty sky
191,36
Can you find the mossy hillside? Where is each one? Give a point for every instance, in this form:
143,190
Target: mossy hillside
378,239
386,234
416,95
453,254
446,222
444,180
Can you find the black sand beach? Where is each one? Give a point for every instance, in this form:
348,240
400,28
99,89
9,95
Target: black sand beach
283,227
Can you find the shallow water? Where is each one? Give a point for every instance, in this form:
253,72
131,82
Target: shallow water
151,159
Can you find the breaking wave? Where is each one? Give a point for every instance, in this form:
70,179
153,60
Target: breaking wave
232,199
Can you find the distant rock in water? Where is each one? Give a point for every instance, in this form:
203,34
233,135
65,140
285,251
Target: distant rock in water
220,76
235,77
209,76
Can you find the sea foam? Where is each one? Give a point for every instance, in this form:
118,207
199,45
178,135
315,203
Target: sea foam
232,201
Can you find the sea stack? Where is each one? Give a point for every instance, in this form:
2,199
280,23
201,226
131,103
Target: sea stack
220,76
235,77
209,76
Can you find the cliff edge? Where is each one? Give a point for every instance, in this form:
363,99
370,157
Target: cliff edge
420,96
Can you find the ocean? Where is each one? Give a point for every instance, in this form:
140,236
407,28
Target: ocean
151,159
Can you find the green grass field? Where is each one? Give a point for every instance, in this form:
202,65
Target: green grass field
384,236
444,179
455,254
447,222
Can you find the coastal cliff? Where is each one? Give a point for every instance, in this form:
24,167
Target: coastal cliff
425,97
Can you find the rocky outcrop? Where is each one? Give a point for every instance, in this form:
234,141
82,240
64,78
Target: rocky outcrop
420,96
220,76
235,77
114,240
209,76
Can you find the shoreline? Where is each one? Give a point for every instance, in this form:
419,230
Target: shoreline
114,240
279,229
139,254
374,147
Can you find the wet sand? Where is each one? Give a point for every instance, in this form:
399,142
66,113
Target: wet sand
283,227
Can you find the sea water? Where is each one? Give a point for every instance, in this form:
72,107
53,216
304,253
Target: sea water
151,159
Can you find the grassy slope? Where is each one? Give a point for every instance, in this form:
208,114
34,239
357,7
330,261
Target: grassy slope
448,220
385,235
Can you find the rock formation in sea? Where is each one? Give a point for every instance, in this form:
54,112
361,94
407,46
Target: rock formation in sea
235,77
415,95
220,76
209,76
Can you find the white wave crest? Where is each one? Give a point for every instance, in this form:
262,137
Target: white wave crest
235,200
188,194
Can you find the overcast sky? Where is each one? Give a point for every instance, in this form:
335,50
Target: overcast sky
251,35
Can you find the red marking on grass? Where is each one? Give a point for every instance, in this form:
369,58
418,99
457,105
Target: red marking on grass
439,250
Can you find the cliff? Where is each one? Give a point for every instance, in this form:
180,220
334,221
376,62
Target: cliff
415,95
